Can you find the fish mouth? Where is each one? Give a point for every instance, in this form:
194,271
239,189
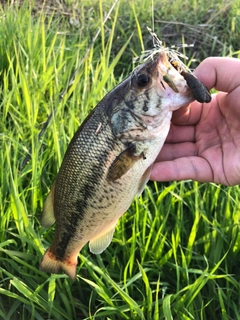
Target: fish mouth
170,84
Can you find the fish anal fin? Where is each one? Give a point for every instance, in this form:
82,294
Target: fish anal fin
123,162
144,180
48,219
100,243
51,264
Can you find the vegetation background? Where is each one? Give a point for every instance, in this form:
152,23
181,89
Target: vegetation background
176,252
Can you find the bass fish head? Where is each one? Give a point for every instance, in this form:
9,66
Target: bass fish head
152,91
157,85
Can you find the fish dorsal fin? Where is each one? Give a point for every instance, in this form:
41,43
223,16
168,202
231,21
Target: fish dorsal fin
48,219
123,162
100,243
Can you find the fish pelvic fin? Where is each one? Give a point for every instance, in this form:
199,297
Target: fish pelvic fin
48,219
51,264
100,243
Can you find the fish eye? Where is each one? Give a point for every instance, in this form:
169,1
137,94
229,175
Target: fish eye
142,80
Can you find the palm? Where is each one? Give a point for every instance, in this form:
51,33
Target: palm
217,144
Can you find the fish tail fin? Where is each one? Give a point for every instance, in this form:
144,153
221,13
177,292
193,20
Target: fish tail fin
51,264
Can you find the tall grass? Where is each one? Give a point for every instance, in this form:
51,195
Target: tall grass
176,252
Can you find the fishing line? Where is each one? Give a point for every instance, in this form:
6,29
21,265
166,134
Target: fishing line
153,27
69,84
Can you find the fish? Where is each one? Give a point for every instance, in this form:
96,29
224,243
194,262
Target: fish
108,161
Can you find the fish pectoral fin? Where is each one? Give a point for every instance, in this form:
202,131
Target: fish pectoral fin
100,243
123,162
48,219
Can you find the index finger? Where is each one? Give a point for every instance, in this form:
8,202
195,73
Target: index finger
219,73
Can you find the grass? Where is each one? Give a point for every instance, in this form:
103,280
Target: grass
176,252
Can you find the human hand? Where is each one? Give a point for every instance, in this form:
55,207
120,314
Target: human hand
203,143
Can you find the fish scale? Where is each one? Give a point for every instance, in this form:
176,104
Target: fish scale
109,161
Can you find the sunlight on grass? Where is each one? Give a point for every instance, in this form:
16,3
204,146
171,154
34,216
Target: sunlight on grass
175,253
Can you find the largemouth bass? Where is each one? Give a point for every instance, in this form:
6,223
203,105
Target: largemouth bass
109,159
